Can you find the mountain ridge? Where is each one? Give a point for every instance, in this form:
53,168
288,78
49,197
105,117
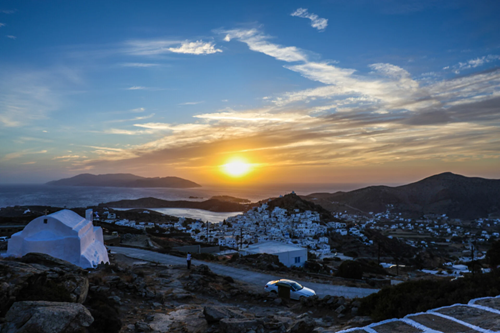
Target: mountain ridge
447,193
123,180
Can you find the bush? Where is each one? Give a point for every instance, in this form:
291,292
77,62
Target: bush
350,269
423,295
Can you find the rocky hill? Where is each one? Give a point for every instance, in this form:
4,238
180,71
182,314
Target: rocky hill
292,201
123,180
211,204
447,193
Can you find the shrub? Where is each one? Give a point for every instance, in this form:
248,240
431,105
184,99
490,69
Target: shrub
350,269
418,296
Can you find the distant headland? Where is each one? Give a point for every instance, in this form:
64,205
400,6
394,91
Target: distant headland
123,180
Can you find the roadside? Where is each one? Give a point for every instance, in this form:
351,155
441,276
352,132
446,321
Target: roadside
254,279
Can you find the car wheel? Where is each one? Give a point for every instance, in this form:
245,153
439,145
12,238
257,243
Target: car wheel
302,299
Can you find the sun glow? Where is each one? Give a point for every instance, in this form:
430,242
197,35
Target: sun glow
236,168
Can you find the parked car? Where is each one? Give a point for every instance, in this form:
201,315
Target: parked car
297,291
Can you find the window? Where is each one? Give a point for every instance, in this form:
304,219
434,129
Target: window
297,260
45,221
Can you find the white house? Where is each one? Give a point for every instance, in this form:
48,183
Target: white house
289,255
64,235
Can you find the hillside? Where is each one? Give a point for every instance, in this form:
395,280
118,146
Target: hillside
447,193
291,202
123,180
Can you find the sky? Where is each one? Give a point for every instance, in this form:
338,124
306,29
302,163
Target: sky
332,91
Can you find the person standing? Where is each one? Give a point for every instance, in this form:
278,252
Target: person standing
189,260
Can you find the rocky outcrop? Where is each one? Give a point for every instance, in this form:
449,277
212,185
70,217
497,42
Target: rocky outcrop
46,317
39,276
235,325
213,314
184,319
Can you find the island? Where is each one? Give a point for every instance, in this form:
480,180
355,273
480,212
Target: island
123,180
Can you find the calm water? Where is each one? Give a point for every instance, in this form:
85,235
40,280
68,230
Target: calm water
83,196
203,215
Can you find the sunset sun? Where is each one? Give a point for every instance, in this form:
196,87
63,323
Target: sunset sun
236,168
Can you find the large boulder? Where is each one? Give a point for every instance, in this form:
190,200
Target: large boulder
46,317
40,277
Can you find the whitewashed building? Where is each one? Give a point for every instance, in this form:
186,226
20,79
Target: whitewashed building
64,235
289,255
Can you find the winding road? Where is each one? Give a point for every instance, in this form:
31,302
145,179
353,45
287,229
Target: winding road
253,278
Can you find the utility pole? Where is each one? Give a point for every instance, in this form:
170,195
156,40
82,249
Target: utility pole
472,257
378,261
241,238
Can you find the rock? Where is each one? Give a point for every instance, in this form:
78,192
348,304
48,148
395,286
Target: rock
278,322
354,311
278,301
331,301
214,313
340,309
303,325
360,321
46,317
116,299
141,326
234,325
185,319
40,276
228,279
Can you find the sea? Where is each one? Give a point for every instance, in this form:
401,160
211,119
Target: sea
84,196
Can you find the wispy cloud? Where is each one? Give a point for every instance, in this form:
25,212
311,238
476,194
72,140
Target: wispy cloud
2,25
354,117
67,157
473,63
139,64
137,88
8,11
11,37
191,103
157,47
316,21
126,132
22,153
138,110
132,119
26,96
258,42
198,47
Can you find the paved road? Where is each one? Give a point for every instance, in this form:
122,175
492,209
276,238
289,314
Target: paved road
253,278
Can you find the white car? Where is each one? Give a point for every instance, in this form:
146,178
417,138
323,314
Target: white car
297,291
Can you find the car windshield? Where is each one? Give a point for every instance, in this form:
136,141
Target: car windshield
296,286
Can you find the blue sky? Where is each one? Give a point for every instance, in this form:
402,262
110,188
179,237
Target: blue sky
325,91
